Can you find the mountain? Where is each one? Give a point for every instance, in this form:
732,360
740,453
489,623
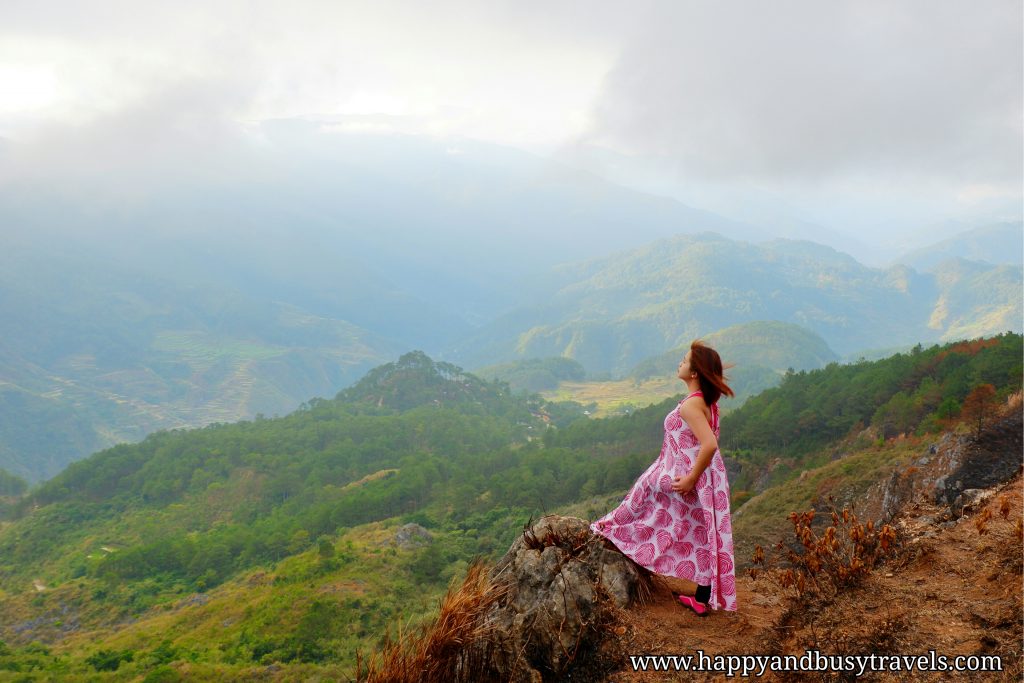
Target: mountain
770,344
996,244
95,355
294,261
976,299
413,238
614,312
760,352
102,351
296,542
535,374
416,380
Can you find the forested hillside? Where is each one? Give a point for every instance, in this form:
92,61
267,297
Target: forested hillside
908,392
305,511
758,352
535,374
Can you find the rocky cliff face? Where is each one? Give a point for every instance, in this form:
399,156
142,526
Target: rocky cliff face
954,473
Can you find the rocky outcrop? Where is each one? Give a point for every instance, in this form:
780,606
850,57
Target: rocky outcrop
564,585
411,536
955,471
988,460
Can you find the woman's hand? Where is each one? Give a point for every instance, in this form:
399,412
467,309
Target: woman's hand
683,485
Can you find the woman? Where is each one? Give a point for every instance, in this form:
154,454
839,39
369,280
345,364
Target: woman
675,520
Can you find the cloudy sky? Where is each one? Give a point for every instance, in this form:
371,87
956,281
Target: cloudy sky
866,117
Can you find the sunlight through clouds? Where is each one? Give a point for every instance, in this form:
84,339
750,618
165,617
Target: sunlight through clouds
26,88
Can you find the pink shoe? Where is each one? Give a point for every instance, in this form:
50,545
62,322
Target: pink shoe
699,607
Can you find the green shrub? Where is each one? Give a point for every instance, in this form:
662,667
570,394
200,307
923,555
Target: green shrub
109,660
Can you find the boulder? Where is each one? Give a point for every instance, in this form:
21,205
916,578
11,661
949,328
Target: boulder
970,499
411,536
564,585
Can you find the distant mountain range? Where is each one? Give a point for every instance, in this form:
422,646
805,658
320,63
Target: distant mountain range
97,353
996,244
614,312
289,270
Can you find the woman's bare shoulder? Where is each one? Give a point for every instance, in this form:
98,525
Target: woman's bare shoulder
693,407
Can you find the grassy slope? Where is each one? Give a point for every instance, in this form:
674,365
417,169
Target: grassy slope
763,519
615,397
342,605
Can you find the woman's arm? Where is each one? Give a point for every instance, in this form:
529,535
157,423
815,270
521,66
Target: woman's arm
698,422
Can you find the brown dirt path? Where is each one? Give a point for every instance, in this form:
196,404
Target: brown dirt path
953,590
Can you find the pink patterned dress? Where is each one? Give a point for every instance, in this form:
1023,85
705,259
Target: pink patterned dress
687,536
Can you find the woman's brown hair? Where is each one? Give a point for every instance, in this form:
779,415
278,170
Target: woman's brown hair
706,362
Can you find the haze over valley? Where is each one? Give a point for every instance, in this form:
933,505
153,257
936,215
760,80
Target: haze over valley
327,254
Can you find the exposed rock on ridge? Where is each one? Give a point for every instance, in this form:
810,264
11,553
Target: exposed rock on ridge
955,472
564,587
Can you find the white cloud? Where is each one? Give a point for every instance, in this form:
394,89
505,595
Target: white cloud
836,112
810,92
464,68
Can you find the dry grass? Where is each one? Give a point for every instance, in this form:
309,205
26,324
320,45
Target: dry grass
840,557
572,542
645,586
381,474
452,647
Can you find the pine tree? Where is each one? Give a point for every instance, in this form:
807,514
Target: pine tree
978,406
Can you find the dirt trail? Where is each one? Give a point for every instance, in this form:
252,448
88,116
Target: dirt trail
952,590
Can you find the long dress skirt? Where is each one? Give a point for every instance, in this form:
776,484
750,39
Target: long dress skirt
686,536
